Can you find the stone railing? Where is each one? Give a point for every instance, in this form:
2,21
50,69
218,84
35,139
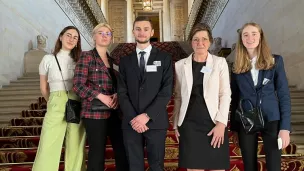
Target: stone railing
84,14
205,11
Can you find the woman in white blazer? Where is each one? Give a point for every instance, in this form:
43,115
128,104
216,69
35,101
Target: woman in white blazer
202,100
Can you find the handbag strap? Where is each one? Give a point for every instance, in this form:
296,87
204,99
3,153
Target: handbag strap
61,75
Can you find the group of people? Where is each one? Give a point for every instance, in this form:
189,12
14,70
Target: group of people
136,98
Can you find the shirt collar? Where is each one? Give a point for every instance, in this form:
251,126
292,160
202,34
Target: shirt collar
147,49
254,59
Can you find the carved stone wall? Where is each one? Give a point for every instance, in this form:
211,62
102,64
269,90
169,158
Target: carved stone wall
117,20
205,11
178,20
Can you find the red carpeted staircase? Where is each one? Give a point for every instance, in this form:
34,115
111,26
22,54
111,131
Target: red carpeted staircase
19,140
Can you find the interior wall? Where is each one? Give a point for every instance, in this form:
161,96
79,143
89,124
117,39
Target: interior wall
282,23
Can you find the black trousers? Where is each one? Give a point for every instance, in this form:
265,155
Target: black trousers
155,145
97,131
249,145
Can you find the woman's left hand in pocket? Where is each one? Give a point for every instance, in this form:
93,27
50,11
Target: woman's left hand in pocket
218,133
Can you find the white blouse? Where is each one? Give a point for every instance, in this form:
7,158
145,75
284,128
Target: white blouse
49,67
254,71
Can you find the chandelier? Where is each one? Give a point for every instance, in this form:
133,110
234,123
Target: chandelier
147,5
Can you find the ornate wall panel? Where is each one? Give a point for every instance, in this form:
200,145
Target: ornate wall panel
117,20
177,20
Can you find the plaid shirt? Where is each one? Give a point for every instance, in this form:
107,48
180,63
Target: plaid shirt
91,78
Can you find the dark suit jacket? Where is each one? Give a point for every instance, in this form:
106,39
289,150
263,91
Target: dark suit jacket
274,94
151,95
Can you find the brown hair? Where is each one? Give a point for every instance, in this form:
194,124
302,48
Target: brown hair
264,57
75,52
142,18
200,27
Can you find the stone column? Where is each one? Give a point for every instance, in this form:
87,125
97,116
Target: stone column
104,8
190,2
129,21
166,21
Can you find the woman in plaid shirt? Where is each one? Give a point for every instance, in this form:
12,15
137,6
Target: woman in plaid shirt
95,82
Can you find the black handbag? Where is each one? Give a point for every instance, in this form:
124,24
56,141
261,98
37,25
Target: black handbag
97,105
252,120
72,107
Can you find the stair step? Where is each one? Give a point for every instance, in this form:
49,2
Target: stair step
297,125
29,79
19,92
18,88
24,83
19,99
297,137
24,103
297,108
13,109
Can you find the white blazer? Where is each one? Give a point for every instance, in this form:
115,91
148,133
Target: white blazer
216,85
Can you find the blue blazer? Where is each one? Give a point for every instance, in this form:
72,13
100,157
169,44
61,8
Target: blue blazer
275,96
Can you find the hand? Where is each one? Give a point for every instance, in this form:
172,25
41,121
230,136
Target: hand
142,119
114,102
235,139
139,128
177,134
105,99
284,135
218,135
139,123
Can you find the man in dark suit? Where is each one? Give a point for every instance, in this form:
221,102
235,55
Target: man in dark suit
145,88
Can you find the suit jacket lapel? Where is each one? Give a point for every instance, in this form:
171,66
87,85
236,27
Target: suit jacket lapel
134,64
188,74
249,79
209,65
100,62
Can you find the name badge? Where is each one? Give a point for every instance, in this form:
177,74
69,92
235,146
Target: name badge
151,68
157,63
206,69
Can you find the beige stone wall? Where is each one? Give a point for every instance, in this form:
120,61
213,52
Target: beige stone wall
178,14
282,22
20,23
117,19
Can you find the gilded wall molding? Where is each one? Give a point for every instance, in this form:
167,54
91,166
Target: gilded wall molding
84,14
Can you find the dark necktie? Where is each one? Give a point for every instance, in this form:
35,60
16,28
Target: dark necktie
142,64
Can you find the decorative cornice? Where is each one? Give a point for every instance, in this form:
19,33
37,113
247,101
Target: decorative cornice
213,12
192,16
84,14
205,11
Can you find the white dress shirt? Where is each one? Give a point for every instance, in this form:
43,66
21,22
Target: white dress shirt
146,55
254,71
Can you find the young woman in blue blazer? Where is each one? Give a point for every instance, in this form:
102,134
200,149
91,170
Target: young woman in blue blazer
259,77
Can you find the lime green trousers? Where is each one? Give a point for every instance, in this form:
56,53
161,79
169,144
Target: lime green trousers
55,130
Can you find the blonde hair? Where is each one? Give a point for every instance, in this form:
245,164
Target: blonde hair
264,57
99,26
